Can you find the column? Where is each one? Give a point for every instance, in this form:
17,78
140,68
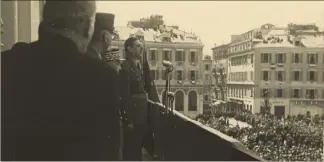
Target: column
185,111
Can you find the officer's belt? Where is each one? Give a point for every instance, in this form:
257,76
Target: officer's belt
139,95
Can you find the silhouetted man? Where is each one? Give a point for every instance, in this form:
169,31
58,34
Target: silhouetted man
59,104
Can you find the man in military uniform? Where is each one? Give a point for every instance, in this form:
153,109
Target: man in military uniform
136,83
101,40
59,104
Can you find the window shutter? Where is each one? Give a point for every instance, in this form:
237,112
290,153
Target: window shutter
262,75
189,75
196,55
316,93
316,58
308,75
284,58
277,72
293,58
183,75
308,58
270,57
157,76
189,56
277,57
315,76
183,56
175,75
269,75
292,77
196,75
301,57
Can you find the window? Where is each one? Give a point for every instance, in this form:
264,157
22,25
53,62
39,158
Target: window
311,76
280,58
265,58
297,76
193,56
153,55
179,75
265,76
206,67
310,93
180,55
296,93
245,92
280,76
264,92
297,58
192,75
279,93
312,58
166,39
206,97
167,55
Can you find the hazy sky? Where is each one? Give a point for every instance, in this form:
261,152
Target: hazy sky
215,21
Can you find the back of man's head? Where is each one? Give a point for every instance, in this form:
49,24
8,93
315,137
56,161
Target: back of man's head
67,15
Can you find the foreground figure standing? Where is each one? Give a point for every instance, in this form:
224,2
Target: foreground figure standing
59,104
137,88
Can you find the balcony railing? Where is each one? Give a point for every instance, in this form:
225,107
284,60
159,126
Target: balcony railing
175,137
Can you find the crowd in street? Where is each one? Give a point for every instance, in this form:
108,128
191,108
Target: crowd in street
294,138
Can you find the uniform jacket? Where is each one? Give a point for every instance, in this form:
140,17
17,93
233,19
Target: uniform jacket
131,83
58,104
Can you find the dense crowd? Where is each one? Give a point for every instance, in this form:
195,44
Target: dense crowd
294,138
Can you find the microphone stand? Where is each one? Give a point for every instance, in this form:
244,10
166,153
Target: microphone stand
168,97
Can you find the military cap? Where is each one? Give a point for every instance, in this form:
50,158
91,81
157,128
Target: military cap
104,21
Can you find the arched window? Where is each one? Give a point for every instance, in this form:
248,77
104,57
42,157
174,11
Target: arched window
179,101
192,101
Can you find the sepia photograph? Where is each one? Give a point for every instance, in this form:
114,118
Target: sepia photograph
162,80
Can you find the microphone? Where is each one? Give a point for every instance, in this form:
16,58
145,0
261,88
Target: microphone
166,63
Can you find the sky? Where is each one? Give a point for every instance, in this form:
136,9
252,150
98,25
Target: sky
216,21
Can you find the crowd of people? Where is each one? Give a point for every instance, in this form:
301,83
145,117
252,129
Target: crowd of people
293,138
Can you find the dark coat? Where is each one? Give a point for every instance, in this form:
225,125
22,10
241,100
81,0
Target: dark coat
58,104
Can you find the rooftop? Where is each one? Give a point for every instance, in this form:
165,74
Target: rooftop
156,35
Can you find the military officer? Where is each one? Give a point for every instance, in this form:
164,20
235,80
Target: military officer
136,84
101,40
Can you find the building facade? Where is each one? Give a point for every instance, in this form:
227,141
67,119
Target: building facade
183,50
208,82
271,62
220,71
